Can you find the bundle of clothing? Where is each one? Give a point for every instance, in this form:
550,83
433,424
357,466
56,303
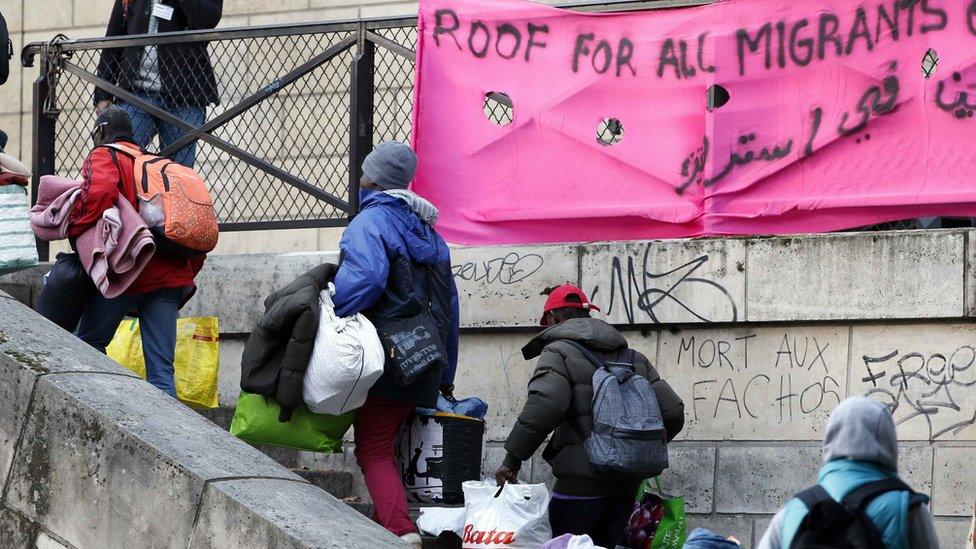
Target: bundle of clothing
18,250
12,171
279,348
113,252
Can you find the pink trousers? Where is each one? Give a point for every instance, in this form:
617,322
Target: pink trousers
377,426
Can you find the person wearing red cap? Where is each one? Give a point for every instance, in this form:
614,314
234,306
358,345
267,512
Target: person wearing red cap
560,402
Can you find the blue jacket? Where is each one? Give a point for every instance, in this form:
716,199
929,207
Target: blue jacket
385,229
888,512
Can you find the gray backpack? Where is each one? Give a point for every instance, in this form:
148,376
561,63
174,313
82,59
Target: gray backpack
628,438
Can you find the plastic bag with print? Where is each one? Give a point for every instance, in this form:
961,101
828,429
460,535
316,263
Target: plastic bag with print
514,516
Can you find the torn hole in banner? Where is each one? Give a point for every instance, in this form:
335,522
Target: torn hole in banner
498,108
716,97
610,131
930,61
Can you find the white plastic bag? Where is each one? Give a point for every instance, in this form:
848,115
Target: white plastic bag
515,516
569,541
434,520
347,359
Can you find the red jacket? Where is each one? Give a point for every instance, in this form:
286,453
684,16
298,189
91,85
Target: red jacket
104,179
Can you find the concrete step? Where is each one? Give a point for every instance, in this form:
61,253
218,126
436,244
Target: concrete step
364,508
337,483
221,416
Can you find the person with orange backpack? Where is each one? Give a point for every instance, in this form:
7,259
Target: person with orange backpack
118,166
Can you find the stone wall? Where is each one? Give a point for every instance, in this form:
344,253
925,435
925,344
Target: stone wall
761,337
92,456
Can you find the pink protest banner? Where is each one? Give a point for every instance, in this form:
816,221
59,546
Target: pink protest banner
830,121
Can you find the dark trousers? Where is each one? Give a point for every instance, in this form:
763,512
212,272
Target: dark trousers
158,311
604,519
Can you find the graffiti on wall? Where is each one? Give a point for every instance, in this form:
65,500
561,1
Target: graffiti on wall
931,389
648,292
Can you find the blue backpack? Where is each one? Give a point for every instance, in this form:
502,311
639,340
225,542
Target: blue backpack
628,438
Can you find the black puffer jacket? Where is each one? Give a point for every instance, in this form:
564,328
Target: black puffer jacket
561,402
277,352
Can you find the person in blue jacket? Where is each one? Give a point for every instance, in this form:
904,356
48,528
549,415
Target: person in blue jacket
861,446
389,253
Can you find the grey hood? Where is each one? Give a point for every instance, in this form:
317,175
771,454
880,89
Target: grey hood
861,429
591,332
426,211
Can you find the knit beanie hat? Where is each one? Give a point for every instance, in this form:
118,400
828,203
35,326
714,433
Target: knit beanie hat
391,165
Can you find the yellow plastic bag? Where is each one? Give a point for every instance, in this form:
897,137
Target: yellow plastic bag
196,363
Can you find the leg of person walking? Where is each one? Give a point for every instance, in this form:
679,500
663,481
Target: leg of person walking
158,312
613,521
101,319
168,133
377,426
573,515
144,126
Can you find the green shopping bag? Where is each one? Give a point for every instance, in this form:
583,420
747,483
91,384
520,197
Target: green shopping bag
256,421
658,522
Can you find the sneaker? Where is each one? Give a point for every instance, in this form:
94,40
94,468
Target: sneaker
413,539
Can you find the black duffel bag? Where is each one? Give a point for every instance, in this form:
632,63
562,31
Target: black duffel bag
66,292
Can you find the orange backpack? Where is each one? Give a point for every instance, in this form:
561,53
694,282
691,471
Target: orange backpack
174,202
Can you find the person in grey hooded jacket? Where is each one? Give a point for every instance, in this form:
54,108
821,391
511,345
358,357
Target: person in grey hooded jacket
860,446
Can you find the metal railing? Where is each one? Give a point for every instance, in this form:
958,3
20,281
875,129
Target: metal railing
298,108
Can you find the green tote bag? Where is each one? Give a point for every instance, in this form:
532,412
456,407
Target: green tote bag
256,421
658,521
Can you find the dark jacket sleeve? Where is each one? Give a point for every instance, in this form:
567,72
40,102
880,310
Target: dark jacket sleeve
298,351
278,350
672,407
259,363
550,394
110,63
201,14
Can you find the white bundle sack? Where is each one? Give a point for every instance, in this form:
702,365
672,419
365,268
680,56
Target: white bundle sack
514,516
437,520
347,359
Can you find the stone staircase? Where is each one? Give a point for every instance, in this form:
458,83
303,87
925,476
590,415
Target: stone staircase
340,484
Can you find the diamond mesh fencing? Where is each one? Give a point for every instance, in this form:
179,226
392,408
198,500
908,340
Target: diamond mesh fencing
283,154
393,94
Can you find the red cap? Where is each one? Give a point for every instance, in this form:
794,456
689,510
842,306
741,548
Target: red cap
557,300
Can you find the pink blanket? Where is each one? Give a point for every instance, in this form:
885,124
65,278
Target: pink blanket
51,216
116,249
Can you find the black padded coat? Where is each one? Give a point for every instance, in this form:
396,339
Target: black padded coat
280,346
560,402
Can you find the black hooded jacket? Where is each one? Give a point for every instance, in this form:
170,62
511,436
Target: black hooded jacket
279,348
184,69
560,402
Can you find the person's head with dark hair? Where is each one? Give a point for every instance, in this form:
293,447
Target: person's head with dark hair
566,302
112,125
